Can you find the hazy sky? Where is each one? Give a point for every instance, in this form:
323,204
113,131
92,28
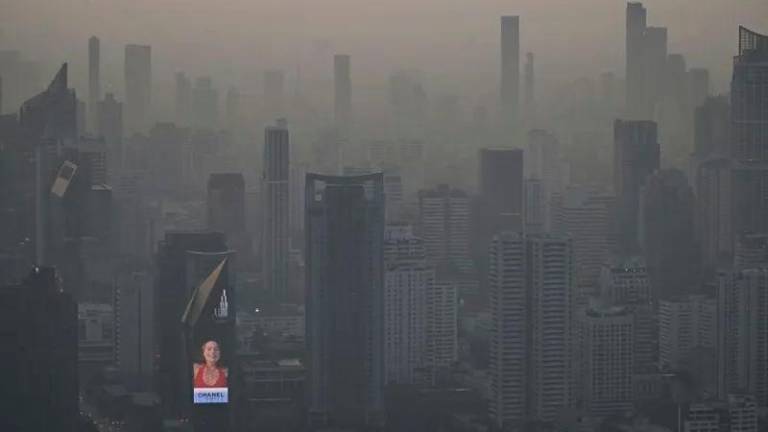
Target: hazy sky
455,42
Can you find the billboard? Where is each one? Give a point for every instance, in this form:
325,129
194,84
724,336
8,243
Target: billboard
210,376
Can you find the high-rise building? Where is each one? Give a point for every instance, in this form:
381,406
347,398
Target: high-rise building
636,156
698,87
501,191
134,328
751,251
712,127
713,209
606,340
742,346
342,99
684,325
406,279
138,87
531,285
587,215
94,83
743,412
183,99
205,104
535,206
39,322
667,233
749,134
175,280
345,299
509,89
635,70
276,234
529,98
109,124
444,225
442,312
226,204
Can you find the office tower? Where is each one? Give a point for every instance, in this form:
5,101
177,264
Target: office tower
587,215
743,412
529,101
749,134
624,281
742,345
205,104
39,324
406,278
635,157
175,280
393,190
183,99
442,348
274,93
543,161
342,99
133,307
138,87
685,324
345,299
702,417
712,127
667,233
275,234
94,83
530,298
296,198
409,105
713,208
635,70
444,225
606,340
655,64
226,204
510,77
109,124
95,339
698,87
168,159
501,190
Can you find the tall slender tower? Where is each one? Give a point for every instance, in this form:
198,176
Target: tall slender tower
635,70
510,76
529,103
138,87
342,102
275,232
345,299
94,83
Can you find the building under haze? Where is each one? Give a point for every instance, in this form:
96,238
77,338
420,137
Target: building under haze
444,225
138,87
94,81
636,155
226,204
276,229
531,286
509,88
342,94
345,299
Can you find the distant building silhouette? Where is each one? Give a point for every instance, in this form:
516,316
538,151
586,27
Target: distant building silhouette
345,299
94,81
342,99
183,99
276,229
138,87
226,204
109,124
509,91
636,156
444,225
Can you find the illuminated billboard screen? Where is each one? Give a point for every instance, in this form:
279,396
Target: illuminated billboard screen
210,376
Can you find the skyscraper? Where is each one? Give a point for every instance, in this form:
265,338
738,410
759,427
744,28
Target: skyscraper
685,324
94,83
342,99
183,99
138,87
636,156
226,203
509,91
529,101
275,190
444,225
607,340
501,189
742,346
205,104
635,70
749,133
345,299
531,285
712,127
109,124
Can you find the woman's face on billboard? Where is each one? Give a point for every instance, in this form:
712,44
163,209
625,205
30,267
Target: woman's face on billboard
211,352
